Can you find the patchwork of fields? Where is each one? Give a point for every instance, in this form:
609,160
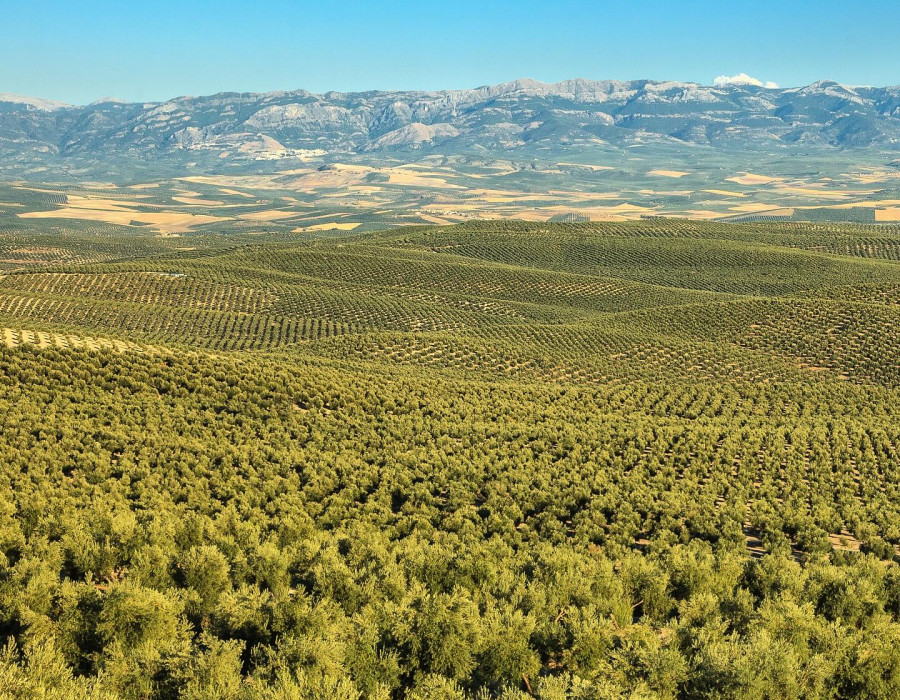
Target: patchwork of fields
622,459
368,195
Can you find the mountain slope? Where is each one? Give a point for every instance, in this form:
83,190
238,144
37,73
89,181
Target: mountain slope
510,116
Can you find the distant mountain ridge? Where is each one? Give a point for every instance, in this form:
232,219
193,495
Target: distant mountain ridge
522,116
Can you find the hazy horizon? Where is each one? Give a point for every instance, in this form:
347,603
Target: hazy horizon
453,88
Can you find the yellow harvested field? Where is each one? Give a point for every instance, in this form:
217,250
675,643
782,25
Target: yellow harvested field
269,215
877,176
726,193
891,214
499,173
99,185
813,192
625,207
198,202
667,193
235,193
78,202
668,173
417,180
483,194
328,216
531,215
702,214
324,179
169,222
751,179
344,226
847,205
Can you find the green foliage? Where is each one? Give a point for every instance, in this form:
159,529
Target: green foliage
638,461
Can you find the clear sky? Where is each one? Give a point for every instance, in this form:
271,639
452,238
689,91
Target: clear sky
156,49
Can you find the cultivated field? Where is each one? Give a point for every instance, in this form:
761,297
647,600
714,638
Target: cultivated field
373,194
655,459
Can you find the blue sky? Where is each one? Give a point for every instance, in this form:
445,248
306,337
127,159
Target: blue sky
152,50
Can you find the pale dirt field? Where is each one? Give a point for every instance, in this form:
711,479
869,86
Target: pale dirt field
818,194
329,215
668,173
417,180
79,202
235,193
346,226
726,193
99,185
875,176
399,190
702,214
199,202
751,179
667,193
166,222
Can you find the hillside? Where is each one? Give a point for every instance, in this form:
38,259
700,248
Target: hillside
498,459
575,150
508,116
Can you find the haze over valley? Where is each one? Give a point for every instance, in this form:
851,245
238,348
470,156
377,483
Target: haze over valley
575,150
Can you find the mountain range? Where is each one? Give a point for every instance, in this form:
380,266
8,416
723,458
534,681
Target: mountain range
523,117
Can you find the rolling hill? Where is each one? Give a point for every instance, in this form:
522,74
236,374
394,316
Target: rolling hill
497,459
